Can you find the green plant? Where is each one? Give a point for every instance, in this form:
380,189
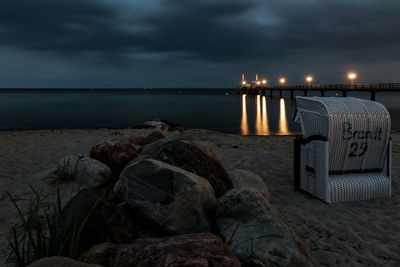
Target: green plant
39,234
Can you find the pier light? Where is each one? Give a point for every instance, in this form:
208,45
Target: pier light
264,82
309,79
282,81
244,82
352,76
258,82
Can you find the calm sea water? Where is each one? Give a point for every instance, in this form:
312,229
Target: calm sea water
214,109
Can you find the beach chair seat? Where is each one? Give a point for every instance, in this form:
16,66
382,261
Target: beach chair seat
345,151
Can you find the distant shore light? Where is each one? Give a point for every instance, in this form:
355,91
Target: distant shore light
282,80
244,82
264,81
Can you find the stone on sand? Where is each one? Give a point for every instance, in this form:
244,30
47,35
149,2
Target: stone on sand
197,159
172,198
254,231
244,179
202,249
57,261
88,172
145,140
114,153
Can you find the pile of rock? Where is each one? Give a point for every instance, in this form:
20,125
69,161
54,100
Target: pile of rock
159,202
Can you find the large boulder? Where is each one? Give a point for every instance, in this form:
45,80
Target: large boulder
202,249
88,172
114,153
102,220
145,140
57,261
254,231
174,199
196,159
244,179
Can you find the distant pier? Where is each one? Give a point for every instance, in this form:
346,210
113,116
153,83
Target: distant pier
372,88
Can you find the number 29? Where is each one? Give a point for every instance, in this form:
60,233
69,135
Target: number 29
358,150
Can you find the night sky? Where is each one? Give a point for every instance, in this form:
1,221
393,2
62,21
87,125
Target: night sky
202,43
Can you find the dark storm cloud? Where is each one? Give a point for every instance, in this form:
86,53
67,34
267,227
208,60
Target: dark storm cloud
208,30
61,25
226,33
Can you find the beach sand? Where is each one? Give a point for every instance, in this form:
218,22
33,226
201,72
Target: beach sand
363,233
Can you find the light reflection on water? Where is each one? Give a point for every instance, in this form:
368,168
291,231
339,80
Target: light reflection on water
244,126
261,126
283,125
258,117
265,126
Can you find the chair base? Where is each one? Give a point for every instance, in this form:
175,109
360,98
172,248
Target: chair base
356,187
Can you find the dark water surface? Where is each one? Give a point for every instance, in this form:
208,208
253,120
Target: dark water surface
214,109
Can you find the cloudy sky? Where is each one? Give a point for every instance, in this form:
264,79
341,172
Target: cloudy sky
195,43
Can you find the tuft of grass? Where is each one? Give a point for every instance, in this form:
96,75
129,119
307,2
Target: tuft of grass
38,234
64,175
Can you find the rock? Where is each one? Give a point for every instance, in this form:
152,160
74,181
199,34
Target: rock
254,231
89,172
196,159
245,178
57,261
184,136
177,129
114,153
158,125
174,199
202,249
152,137
153,147
106,221
171,124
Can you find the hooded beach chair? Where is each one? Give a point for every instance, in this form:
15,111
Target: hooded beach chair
345,151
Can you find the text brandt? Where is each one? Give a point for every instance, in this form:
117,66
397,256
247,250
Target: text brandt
349,133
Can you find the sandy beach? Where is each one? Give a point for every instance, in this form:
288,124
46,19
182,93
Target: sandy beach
355,234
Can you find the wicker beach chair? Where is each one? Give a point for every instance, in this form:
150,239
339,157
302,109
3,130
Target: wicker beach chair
345,151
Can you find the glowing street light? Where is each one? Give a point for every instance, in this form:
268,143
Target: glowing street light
352,76
282,81
258,82
309,79
243,82
264,82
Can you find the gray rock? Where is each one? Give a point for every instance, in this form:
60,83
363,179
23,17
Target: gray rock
57,261
200,250
244,179
88,172
200,160
254,231
174,199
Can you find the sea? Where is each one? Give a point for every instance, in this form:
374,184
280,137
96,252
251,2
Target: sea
219,109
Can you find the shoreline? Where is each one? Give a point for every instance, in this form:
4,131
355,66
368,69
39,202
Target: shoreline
358,233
